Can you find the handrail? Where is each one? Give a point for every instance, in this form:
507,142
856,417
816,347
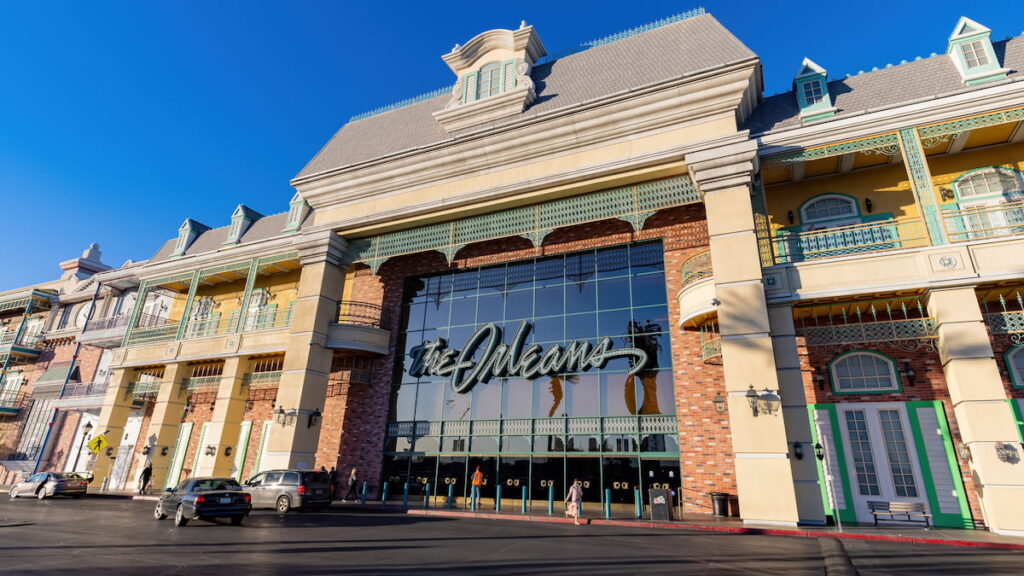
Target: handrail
109,323
12,399
878,236
73,390
696,268
26,339
982,222
362,314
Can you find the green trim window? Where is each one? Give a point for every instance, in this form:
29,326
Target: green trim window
860,449
828,207
1015,365
990,182
863,371
489,81
812,92
898,453
974,54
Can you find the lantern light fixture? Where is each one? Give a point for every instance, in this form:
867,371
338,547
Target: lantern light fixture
819,451
798,450
720,404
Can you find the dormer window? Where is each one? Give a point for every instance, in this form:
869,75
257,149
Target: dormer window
241,219
812,92
298,208
187,233
974,54
970,48
489,81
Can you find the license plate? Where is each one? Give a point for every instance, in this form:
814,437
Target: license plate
225,500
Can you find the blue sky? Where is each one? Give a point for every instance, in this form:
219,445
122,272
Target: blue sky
120,119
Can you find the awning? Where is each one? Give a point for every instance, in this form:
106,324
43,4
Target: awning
57,373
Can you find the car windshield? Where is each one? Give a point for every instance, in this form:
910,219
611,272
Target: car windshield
216,484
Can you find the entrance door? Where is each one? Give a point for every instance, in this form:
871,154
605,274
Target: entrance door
882,461
119,479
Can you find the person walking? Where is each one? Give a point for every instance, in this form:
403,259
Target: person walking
332,478
474,495
575,500
145,477
353,481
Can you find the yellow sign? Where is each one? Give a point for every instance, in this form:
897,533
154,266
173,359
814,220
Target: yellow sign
98,443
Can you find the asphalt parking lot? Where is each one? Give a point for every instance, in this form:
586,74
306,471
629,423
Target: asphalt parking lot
119,536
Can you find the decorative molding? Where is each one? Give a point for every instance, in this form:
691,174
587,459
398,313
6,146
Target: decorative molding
921,182
887,144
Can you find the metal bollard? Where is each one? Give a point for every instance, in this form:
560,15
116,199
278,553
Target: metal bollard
405,495
497,499
362,496
451,496
607,502
639,504
384,494
551,500
524,500
426,496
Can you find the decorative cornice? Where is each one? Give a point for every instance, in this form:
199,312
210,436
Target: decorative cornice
523,40
322,246
726,166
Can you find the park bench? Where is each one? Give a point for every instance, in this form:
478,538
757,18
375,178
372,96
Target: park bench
913,511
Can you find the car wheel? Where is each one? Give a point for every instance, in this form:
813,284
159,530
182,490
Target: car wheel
179,516
237,520
41,494
283,505
14,492
158,513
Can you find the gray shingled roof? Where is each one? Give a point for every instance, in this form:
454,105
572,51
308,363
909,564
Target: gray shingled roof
886,88
211,240
661,54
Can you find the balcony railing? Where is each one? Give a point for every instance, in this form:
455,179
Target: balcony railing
201,384
111,323
12,400
362,314
262,379
848,240
696,268
144,390
983,222
267,319
907,335
76,390
26,340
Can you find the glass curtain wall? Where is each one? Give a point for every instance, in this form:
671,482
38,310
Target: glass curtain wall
611,430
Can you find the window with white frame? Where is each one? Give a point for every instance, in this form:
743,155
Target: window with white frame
828,207
863,372
990,182
1015,364
489,81
974,54
812,92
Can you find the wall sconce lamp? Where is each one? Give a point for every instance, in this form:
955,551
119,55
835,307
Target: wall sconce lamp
766,402
189,407
211,450
947,194
163,451
146,450
798,450
868,205
908,371
110,451
965,453
791,216
819,451
285,417
719,403
313,418
227,450
1007,452
819,378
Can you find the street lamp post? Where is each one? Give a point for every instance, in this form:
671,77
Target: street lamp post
85,435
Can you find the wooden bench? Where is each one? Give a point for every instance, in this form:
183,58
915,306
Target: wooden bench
913,511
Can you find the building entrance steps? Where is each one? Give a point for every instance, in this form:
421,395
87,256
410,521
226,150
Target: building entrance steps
708,523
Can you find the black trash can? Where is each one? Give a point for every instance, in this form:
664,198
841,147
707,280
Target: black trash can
720,504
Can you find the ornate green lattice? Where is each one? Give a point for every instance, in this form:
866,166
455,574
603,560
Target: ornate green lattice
948,129
921,181
633,204
887,144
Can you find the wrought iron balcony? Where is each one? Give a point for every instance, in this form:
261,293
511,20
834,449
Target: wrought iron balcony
111,323
984,222
362,314
696,268
12,401
144,390
153,329
840,241
255,380
81,389
267,319
27,341
201,384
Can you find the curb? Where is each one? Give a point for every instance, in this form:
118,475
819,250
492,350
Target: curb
729,529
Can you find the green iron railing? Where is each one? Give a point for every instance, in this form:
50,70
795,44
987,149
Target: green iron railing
262,379
984,222
866,238
871,332
696,268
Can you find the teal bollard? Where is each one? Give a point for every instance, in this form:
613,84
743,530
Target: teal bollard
384,495
524,500
607,502
405,495
451,496
639,504
497,499
362,496
426,496
551,500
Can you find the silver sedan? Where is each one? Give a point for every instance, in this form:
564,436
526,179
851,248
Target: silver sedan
46,484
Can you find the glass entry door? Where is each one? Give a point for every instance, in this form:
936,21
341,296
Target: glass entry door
881,459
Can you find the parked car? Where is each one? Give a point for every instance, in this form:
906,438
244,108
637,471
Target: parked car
46,484
287,489
204,499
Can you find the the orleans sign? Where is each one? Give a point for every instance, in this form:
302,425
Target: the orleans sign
497,360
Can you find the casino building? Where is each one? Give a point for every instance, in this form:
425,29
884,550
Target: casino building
625,265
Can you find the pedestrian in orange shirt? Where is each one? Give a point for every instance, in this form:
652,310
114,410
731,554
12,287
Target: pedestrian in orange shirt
477,482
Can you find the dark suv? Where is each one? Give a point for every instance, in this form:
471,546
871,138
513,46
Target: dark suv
287,489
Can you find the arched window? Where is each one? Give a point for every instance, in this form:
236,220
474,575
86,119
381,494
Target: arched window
489,81
828,207
991,182
863,371
1015,365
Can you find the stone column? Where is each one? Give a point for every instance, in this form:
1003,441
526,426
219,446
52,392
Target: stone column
985,419
113,417
794,414
162,433
764,477
307,362
227,419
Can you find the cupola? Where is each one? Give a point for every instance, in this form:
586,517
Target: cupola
811,88
492,77
970,48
